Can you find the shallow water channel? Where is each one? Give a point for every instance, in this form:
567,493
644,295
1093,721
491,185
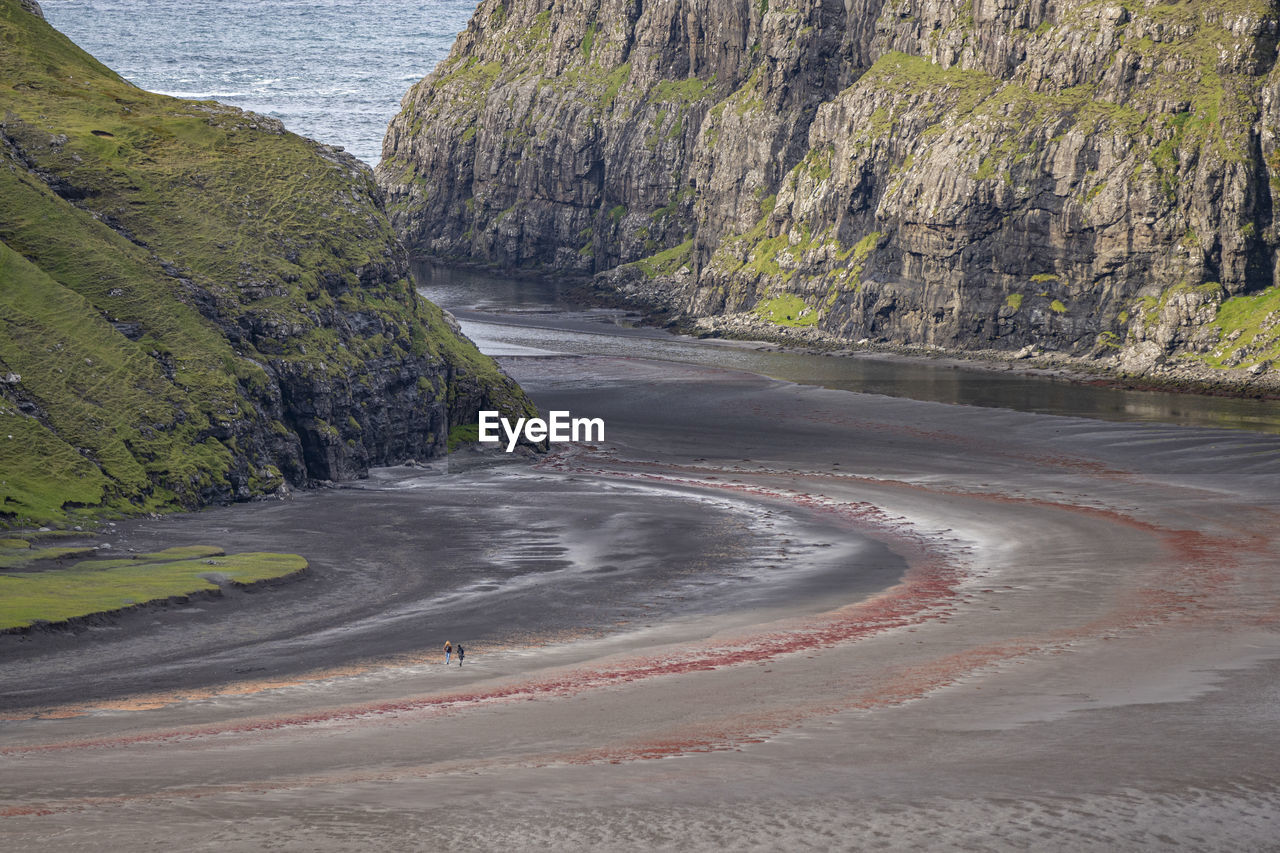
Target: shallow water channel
525,316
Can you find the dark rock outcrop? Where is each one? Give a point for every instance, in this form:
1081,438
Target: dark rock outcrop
994,174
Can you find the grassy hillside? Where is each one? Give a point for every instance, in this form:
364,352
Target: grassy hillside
56,594
196,305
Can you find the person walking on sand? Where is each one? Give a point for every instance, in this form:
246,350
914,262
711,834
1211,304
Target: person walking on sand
448,650
461,653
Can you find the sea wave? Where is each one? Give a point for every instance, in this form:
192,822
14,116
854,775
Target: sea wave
331,71
202,96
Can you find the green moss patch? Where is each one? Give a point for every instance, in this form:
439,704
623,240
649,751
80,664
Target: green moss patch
104,586
668,261
463,434
1250,330
787,310
687,90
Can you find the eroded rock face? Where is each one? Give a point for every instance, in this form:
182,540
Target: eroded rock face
990,174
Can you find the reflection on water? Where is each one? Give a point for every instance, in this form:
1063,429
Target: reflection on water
462,288
515,316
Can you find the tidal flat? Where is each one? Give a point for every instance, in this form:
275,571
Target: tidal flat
757,615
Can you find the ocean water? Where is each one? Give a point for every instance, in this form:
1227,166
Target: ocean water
334,70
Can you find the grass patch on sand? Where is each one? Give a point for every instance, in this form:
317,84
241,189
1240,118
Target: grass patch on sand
103,586
188,552
19,556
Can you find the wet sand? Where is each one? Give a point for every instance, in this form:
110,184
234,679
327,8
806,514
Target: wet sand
485,550
923,626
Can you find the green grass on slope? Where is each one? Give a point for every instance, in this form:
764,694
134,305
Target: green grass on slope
103,586
39,472
155,255
787,310
1250,327
98,392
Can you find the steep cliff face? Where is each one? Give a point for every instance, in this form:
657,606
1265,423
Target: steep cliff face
1096,178
196,305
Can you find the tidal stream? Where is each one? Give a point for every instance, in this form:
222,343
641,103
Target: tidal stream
515,316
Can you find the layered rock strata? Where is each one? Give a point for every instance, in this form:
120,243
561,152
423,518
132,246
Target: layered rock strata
1093,178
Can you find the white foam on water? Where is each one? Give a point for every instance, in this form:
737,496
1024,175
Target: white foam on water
334,71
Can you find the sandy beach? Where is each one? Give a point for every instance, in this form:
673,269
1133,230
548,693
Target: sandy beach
757,616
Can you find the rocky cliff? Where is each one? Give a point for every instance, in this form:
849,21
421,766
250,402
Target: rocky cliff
196,305
1093,178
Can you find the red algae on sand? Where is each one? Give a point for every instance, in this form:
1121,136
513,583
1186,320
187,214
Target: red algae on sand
926,591
1198,578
